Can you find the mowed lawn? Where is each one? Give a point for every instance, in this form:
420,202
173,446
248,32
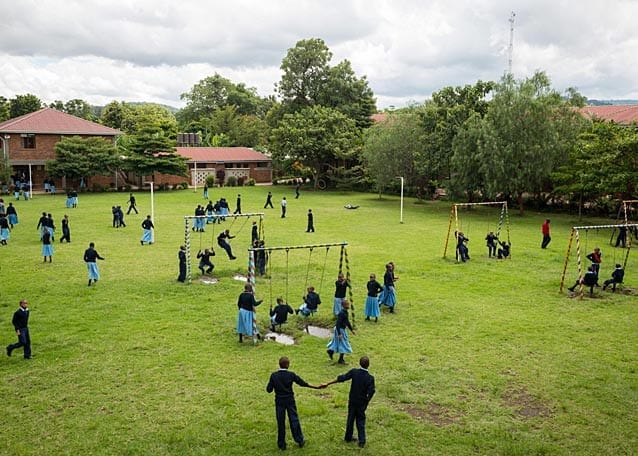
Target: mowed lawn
485,357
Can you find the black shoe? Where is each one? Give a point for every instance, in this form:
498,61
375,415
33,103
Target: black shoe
367,318
142,242
330,353
391,310
296,311
362,444
233,257
272,328
342,361
351,439
282,448
571,289
9,350
301,444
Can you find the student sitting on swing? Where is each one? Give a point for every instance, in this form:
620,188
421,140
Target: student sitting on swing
590,279
221,241
310,303
279,315
616,277
504,251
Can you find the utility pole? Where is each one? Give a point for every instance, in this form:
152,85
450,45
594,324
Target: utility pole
510,50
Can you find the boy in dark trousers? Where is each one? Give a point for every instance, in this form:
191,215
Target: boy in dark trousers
361,391
281,383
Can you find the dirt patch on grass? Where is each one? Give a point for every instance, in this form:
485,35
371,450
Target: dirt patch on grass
437,414
526,405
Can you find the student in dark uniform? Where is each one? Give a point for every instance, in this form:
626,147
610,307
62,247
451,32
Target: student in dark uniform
246,321
4,229
504,251
181,255
311,223
372,301
279,315
204,260
297,187
491,240
341,285
21,325
238,205
340,343
66,230
590,279
254,234
616,277
221,241
310,303
131,204
147,226
388,296
362,390
12,215
42,223
269,201
90,257
621,239
281,382
47,248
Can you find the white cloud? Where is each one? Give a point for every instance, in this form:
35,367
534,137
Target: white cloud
142,50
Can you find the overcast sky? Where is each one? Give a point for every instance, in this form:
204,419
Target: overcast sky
155,50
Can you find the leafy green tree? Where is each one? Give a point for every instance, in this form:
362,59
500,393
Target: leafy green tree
216,92
390,148
316,137
149,143
309,80
114,113
24,104
443,117
76,107
527,131
5,109
77,157
468,179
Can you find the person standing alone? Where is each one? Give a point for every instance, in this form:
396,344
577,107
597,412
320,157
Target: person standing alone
546,237
311,222
284,204
21,324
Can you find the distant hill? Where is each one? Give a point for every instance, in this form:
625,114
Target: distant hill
594,102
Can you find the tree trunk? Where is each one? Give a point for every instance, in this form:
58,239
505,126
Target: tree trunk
521,209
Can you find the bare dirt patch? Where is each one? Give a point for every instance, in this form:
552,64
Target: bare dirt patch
435,413
526,405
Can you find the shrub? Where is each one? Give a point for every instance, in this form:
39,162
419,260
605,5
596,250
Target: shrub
251,182
210,180
231,181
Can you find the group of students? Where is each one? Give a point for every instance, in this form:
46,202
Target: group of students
590,279
8,219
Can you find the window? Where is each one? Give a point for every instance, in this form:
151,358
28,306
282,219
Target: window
28,141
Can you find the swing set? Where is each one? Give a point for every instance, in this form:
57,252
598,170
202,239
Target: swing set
343,263
188,219
576,236
454,220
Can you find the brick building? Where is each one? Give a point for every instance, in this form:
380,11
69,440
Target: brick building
29,140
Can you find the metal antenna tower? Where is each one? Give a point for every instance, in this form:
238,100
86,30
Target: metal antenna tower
510,50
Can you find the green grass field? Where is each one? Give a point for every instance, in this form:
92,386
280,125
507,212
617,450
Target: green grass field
485,357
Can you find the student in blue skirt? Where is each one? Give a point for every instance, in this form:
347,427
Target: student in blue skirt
47,248
372,301
388,296
246,322
90,258
340,343
341,285
148,226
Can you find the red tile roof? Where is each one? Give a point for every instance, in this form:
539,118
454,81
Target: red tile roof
380,117
222,154
621,114
50,121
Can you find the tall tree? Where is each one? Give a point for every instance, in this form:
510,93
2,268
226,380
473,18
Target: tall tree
316,137
114,114
309,80
77,157
24,104
216,92
5,109
390,148
527,131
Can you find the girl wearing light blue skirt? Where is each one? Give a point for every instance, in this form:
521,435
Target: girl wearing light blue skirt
388,296
246,322
372,301
340,343
47,248
341,286
148,226
12,215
